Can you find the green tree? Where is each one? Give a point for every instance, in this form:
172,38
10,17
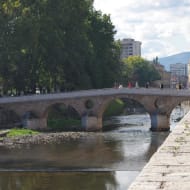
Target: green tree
105,68
7,53
138,69
63,44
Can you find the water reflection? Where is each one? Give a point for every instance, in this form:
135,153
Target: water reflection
110,151
103,161
58,181
67,180
93,151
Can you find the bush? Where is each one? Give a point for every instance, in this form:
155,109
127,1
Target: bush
115,108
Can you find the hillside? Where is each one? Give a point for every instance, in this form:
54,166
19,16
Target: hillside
183,57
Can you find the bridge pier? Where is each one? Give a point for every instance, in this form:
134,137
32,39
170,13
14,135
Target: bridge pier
91,123
159,122
36,123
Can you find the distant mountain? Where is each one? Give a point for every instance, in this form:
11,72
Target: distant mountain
183,57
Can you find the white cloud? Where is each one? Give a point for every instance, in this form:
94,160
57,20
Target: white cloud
162,26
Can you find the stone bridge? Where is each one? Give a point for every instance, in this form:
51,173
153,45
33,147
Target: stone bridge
91,104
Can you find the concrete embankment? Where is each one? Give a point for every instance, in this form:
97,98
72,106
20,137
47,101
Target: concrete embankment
169,167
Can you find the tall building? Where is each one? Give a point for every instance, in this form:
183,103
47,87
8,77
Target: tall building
178,74
130,47
188,73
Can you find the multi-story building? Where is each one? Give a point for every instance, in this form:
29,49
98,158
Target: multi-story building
188,74
130,47
178,74
165,76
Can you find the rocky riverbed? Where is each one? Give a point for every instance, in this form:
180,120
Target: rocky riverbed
41,138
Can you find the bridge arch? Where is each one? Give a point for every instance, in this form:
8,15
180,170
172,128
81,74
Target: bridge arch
9,118
60,116
108,100
159,108
161,114
180,109
124,105
178,102
158,103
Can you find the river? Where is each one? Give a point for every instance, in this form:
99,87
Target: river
107,160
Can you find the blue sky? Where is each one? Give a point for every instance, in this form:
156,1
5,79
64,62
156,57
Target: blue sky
163,26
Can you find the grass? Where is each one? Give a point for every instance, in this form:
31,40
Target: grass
64,124
20,132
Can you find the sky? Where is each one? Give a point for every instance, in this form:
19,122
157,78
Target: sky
163,26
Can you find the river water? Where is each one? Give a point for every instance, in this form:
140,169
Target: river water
107,160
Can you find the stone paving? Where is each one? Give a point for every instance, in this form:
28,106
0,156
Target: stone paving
169,167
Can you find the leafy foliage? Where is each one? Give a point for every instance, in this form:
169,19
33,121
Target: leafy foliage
62,45
138,69
114,108
56,44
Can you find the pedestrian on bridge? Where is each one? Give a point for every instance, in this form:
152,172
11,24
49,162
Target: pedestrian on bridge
136,85
129,85
147,85
161,86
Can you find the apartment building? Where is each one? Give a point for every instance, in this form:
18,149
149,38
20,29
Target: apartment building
130,47
178,74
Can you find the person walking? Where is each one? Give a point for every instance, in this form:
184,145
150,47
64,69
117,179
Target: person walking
136,85
161,86
147,85
129,85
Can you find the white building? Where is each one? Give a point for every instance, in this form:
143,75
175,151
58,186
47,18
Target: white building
130,47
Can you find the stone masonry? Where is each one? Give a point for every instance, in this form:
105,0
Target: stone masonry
169,167
91,104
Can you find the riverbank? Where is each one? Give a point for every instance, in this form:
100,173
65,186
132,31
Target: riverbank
169,167
40,138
